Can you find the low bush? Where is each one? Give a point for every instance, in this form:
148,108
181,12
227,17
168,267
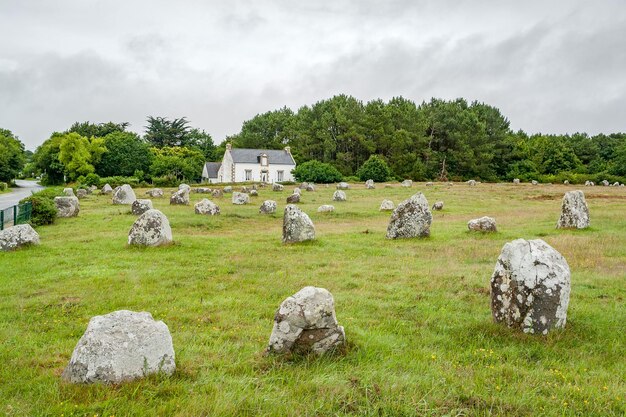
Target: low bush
375,168
92,179
3,186
165,181
44,211
118,180
317,172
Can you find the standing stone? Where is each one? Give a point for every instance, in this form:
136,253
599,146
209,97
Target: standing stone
430,184
483,224
67,206
326,208
18,236
140,206
228,189
240,198
387,205
68,192
297,191
516,181
206,206
534,182
411,218
343,186
306,323
155,192
277,187
615,184
530,287
297,226
268,207
180,197
438,206
121,346
253,193
184,187
566,182
244,189
151,229
310,187
124,195
471,183
93,188
605,183
81,193
106,189
303,185
407,183
293,199
217,193
202,190
574,211
339,196
369,184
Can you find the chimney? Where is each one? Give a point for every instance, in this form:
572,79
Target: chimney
288,149
229,147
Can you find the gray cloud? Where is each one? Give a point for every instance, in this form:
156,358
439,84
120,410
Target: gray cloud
553,67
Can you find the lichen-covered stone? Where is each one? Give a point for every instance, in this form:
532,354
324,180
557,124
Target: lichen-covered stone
471,183
68,192
106,189
574,211
530,287
297,191
240,198
121,346
326,208
155,193
180,197
151,229
297,225
430,184
268,207
206,206
217,193
407,183
483,224
140,206
67,206
17,236
184,187
387,205
253,193
339,196
516,181
343,186
534,182
228,189
306,323
277,187
412,218
369,184
310,187
293,198
438,206
124,195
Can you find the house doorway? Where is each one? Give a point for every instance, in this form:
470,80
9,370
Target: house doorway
264,176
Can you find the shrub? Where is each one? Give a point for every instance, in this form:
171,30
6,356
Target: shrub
3,186
44,211
375,168
317,172
92,179
351,178
118,180
165,181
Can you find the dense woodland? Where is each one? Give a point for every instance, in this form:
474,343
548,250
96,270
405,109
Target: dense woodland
436,140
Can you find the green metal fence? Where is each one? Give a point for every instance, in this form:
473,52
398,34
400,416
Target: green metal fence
17,214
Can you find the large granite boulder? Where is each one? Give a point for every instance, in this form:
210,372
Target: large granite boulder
343,186
206,206
81,193
268,207
574,211
326,208
121,346
516,181
124,195
151,229
339,196
228,189
297,191
310,187
18,236
155,193
202,190
253,193
297,225
605,183
293,199
483,224
240,198
277,187
471,183
217,193
67,206
184,187
387,205
106,189
534,182
407,183
369,184
140,206
411,218
306,323
530,287
68,192
180,197
438,206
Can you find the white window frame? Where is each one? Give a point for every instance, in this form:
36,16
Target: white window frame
248,175
280,176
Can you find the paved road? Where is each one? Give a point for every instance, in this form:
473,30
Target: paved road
25,189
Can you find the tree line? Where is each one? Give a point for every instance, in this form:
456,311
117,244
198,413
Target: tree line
435,140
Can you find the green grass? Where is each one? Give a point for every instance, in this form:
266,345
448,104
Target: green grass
416,312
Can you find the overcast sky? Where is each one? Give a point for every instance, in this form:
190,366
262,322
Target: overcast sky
549,66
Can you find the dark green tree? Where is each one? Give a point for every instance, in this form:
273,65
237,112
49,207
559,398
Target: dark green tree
375,168
317,172
11,156
162,132
98,130
125,154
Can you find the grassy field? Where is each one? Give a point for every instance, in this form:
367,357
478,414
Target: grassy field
416,312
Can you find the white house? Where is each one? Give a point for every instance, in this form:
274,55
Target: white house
245,165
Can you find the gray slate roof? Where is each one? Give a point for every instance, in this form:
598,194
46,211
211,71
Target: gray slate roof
251,156
212,168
